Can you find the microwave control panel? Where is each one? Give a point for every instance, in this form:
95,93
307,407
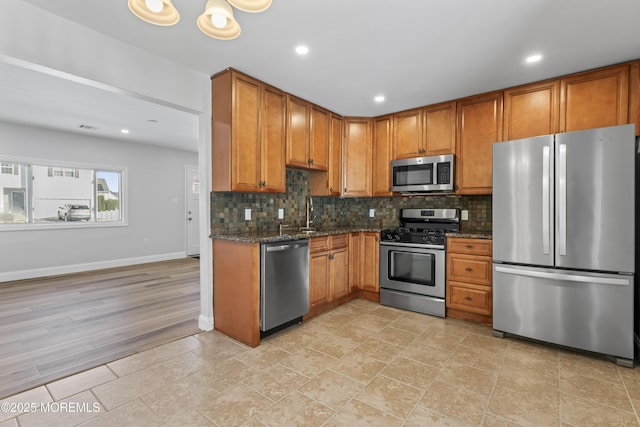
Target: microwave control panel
444,173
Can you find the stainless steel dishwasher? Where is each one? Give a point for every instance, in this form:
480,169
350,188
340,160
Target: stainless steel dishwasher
284,282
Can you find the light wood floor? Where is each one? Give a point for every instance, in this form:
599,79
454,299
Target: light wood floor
56,326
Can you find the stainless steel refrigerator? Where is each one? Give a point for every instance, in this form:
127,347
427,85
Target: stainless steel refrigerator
564,239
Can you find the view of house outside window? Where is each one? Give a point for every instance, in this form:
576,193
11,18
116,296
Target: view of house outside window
33,193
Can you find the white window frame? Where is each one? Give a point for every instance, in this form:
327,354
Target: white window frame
62,165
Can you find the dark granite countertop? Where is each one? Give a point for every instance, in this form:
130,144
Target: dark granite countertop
472,234
288,234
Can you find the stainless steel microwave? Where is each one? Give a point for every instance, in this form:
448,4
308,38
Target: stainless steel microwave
423,174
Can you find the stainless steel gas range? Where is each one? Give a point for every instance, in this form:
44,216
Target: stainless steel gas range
412,260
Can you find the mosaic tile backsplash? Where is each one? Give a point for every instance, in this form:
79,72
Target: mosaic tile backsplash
227,209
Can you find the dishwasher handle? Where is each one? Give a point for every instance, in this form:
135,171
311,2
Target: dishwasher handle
285,247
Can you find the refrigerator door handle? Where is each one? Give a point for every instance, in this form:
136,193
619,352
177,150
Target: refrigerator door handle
564,277
546,182
562,200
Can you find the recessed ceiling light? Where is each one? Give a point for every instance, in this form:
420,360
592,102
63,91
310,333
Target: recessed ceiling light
379,98
302,50
124,131
533,58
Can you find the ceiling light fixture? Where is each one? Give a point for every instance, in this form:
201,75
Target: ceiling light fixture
217,21
125,131
533,58
302,50
379,98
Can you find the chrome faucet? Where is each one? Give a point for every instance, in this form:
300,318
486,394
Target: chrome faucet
309,220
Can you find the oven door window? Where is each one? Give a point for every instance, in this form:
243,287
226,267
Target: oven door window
412,267
413,175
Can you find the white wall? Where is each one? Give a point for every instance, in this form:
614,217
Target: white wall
155,199
35,36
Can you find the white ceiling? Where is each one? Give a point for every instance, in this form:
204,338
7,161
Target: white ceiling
414,52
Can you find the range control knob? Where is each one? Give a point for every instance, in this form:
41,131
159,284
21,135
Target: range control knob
397,237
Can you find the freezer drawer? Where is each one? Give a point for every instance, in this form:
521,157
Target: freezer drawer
587,311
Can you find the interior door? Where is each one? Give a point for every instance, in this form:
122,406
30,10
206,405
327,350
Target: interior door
595,199
523,201
193,210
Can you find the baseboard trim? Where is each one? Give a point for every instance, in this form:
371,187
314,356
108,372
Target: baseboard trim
205,323
78,268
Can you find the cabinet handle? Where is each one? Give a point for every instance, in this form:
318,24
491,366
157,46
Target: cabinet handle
469,246
345,189
468,298
376,238
331,189
331,256
469,269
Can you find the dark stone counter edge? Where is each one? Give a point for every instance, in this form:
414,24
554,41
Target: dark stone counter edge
472,235
288,235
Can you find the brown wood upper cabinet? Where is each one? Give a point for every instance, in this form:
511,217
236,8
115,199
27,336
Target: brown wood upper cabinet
479,126
595,99
382,142
248,134
427,131
634,95
407,134
439,126
308,128
531,110
356,160
329,183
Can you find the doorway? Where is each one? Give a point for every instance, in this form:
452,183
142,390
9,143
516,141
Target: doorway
193,210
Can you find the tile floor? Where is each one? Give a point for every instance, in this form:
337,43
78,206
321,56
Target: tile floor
359,364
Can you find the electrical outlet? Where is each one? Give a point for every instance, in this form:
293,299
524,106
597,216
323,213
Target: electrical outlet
280,213
465,215
247,214
372,213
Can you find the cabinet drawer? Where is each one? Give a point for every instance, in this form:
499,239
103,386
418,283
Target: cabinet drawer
472,298
469,268
339,241
318,244
469,246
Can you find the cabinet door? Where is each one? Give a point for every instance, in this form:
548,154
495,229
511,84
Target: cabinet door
595,99
634,95
439,123
479,126
245,134
357,157
382,136
318,279
319,138
273,140
531,110
369,259
354,261
339,273
407,134
297,132
335,156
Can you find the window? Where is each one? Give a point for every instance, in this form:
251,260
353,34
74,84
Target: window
36,193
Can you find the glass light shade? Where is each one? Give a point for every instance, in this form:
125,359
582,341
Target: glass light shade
251,5
154,6
168,15
218,8
219,21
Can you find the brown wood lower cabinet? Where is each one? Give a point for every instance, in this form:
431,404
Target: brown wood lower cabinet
469,280
236,290
328,272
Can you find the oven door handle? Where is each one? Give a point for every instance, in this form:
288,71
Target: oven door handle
412,245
